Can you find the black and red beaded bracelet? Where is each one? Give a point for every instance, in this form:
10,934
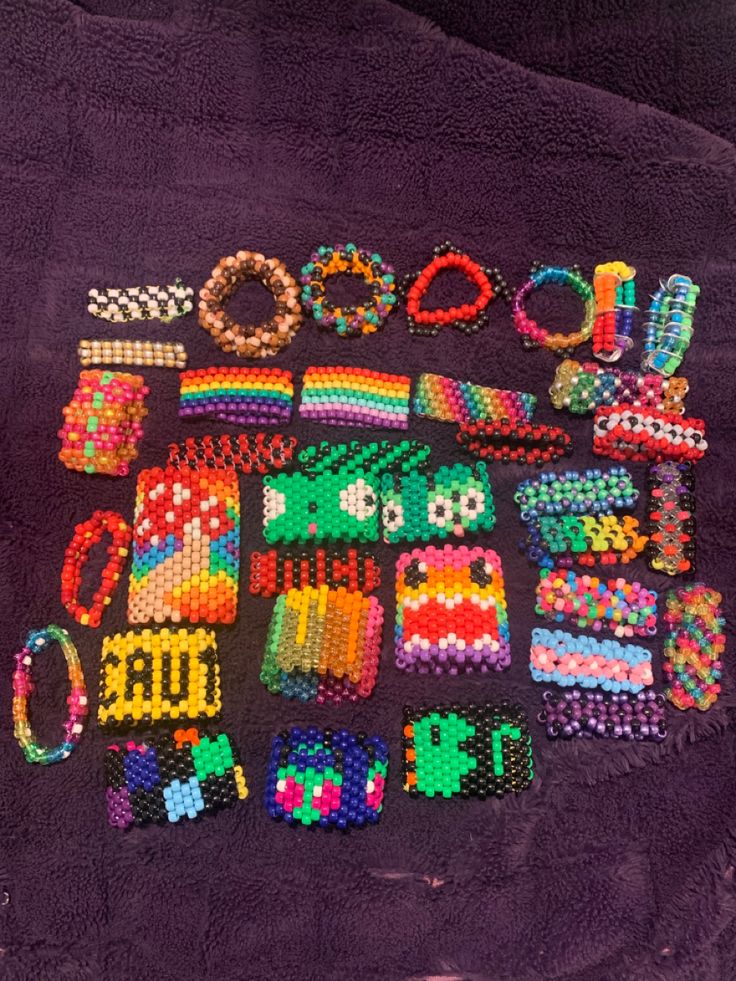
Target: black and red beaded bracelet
500,440
272,572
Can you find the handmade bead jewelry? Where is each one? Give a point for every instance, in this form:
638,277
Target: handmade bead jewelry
102,423
669,325
532,335
245,453
586,539
87,534
300,507
591,491
671,518
469,317
250,340
615,297
154,676
186,547
327,778
558,657
622,432
272,573
451,611
37,642
143,354
171,777
141,302
242,396
355,397
466,750
371,458
694,647
456,500
581,388
625,608
580,714
506,442
446,400
348,321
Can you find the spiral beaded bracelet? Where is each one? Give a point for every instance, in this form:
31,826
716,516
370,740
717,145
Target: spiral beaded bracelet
668,329
246,453
447,400
615,297
532,335
143,354
348,321
87,534
587,492
624,608
622,432
581,388
141,302
558,657
585,714
272,573
694,647
506,442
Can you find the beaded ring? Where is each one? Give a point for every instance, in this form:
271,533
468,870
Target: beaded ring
407,456
87,534
622,432
141,302
144,354
582,492
671,518
447,400
668,329
559,657
506,442
245,453
250,340
532,335
615,297
242,396
581,388
580,714
23,687
272,573
348,321
622,607
694,646
585,539
342,396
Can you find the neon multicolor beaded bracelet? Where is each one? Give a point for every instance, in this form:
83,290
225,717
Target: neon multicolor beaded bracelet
671,518
694,647
622,432
273,573
141,302
507,442
245,453
615,296
143,354
585,714
582,492
242,396
447,400
581,388
556,656
87,534
625,608
668,329
534,336
342,396
586,539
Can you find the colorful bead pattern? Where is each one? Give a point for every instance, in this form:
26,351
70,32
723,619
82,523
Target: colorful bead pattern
272,573
625,608
143,354
245,453
447,400
671,518
451,611
559,657
668,330
591,491
323,645
141,302
581,388
37,642
532,335
299,507
622,432
348,321
467,751
615,297
171,777
242,396
186,547
580,714
156,676
355,397
366,458
326,778
87,534
102,423
694,647
586,539
506,442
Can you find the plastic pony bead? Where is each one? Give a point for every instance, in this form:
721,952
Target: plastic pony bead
622,432
624,608
141,302
532,335
577,714
668,330
694,647
504,442
87,534
242,396
581,388
615,296
341,396
671,518
558,657
447,400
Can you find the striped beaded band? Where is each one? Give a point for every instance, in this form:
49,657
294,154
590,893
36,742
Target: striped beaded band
558,657
506,442
87,534
242,396
365,458
355,397
323,645
615,296
591,491
301,507
141,302
245,453
580,714
272,573
625,608
694,647
669,325
623,432
37,642
586,539
581,388
532,335
671,518
143,354
447,400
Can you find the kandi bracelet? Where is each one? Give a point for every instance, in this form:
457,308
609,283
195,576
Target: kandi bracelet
242,396
506,442
245,453
87,534
581,388
143,354
342,396
374,459
558,657
272,573
671,518
586,539
591,491
348,321
615,296
668,329
694,647
622,432
580,714
446,400
141,302
326,507
532,335
625,608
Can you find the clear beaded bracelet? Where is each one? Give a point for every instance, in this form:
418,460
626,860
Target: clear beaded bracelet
669,326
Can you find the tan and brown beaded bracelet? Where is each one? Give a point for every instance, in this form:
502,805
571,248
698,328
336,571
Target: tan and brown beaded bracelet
144,354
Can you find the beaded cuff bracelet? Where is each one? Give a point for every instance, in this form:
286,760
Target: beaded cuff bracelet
355,397
466,750
242,396
323,645
186,547
299,507
505,442
581,388
591,491
585,539
622,432
102,423
669,325
455,500
245,453
156,676
615,297
694,647
446,400
451,611
171,777
348,321
532,335
580,714
328,778
37,642
143,354
623,607
365,458
87,534
141,302
559,657
272,573
671,518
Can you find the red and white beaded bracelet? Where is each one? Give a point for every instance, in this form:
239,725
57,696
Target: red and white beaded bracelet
623,432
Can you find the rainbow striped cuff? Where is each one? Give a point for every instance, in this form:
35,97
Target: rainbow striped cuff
447,400
342,396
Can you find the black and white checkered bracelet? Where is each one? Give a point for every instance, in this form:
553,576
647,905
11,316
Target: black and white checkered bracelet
141,302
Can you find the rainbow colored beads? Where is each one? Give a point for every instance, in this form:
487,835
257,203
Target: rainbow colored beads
343,396
625,608
242,396
614,284
668,330
446,400
694,647
585,714
299,507
558,657
585,539
534,336
581,388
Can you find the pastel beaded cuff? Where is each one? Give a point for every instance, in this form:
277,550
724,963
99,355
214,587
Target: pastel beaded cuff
559,657
342,396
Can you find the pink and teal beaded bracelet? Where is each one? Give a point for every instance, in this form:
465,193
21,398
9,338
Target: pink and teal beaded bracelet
558,657
343,396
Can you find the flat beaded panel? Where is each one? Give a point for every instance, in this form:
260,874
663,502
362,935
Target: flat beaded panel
591,491
341,507
623,432
245,453
366,458
447,400
341,396
586,539
141,302
242,396
577,714
504,442
143,354
590,662
272,572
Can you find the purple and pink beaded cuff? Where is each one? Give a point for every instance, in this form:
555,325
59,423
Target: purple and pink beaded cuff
343,396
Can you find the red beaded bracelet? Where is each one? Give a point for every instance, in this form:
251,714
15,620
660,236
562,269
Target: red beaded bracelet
87,534
623,432
272,573
498,439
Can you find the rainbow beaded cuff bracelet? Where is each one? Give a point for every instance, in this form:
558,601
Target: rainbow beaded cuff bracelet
625,608
589,662
669,325
581,388
342,396
504,442
272,573
671,518
625,433
141,302
582,492
694,647
580,714
615,297
299,507
87,534
446,400
245,453
585,539
534,336
372,459
348,321
242,396
142,354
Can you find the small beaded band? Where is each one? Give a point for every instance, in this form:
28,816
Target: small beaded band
625,608
348,321
446,400
37,642
669,325
355,397
365,458
506,442
300,508
168,778
469,317
451,611
87,534
326,778
623,432
272,573
558,657
141,302
615,298
694,647
580,714
143,354
671,518
466,750
581,388
102,423
532,335
245,453
591,491
585,539
242,396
